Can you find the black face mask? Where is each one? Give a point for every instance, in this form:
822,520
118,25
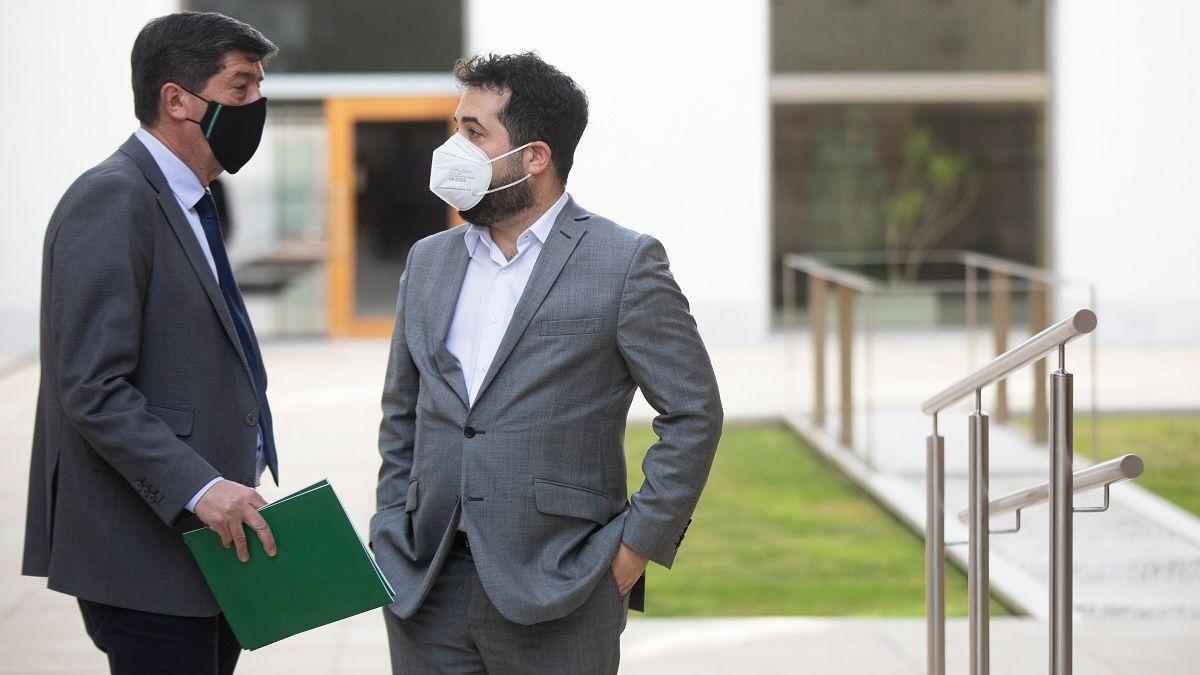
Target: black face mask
232,131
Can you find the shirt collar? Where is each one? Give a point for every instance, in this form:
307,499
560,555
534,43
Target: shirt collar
180,178
541,227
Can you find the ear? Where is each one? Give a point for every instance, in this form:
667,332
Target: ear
537,158
174,102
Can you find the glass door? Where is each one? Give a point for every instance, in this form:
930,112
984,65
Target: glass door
380,204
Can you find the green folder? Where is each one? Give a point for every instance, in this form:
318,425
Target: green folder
321,571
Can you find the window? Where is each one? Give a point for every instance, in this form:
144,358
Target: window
907,35
902,125
364,36
879,176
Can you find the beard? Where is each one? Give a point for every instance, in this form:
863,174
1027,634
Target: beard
497,206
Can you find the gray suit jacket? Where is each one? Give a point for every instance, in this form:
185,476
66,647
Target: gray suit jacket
145,394
538,461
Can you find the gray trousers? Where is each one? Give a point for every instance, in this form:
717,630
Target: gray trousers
458,630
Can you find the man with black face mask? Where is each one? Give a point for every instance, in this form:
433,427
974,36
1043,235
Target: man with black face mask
503,519
152,414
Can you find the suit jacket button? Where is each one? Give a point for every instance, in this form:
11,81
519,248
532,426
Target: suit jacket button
251,419
469,432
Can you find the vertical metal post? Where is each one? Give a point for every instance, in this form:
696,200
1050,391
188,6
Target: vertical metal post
935,552
816,319
978,585
1039,318
789,329
1093,418
1001,318
1061,516
845,330
869,394
972,293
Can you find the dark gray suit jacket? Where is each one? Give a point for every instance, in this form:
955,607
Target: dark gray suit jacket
538,462
145,394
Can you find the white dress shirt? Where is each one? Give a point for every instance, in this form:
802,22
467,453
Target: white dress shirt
188,190
491,288
490,291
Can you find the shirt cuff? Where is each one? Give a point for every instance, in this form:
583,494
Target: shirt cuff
191,505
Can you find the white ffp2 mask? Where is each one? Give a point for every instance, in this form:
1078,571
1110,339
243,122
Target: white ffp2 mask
461,173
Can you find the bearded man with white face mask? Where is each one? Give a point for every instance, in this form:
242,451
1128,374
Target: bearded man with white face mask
504,522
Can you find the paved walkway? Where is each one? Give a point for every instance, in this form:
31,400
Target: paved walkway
325,398
50,639
1140,559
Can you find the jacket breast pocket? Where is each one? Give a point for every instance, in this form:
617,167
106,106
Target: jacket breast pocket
571,326
178,419
563,499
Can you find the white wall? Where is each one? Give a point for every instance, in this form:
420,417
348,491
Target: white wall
677,141
1127,163
69,105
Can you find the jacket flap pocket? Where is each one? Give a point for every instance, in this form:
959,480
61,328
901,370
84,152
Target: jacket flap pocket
569,500
571,326
178,419
410,502
381,519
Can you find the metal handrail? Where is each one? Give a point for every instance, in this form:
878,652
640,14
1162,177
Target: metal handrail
811,265
821,275
828,276
1050,339
964,257
1003,278
1126,467
1058,492
992,263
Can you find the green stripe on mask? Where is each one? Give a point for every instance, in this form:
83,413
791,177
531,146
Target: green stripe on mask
213,122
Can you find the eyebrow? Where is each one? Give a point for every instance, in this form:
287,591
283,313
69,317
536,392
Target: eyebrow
246,75
470,118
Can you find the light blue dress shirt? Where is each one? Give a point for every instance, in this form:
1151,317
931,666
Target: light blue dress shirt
188,190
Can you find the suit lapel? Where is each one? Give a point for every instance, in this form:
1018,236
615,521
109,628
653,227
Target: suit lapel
187,239
442,303
568,229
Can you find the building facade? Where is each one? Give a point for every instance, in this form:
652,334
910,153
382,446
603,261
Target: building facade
1056,133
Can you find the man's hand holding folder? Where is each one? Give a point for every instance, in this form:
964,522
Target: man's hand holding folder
321,573
226,506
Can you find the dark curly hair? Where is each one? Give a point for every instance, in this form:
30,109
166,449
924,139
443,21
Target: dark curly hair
544,104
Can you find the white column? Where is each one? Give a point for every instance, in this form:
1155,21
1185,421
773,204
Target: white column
68,105
677,144
1126,143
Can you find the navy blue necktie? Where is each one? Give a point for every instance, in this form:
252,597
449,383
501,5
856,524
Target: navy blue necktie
207,209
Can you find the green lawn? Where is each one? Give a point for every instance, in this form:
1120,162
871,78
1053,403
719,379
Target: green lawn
780,532
1169,444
